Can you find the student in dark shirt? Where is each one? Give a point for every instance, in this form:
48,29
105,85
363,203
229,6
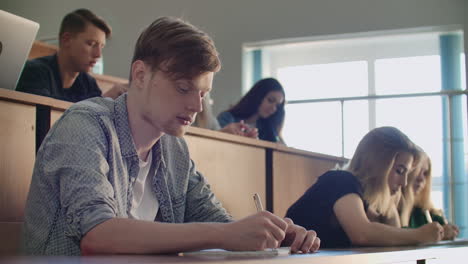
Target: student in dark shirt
336,206
416,199
65,75
261,108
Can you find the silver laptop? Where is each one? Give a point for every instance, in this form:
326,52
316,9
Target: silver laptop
17,35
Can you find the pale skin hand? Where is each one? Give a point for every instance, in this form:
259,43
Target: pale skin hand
430,233
241,129
266,230
256,232
351,215
450,231
299,239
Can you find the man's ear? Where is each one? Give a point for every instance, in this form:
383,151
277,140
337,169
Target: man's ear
65,39
139,70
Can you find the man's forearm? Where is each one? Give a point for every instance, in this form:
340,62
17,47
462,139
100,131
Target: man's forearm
120,235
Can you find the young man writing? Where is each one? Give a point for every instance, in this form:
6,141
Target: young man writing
64,76
116,176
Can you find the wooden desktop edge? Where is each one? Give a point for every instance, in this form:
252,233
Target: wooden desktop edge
108,78
32,99
374,255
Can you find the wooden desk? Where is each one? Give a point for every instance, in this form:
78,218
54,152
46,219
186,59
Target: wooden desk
454,252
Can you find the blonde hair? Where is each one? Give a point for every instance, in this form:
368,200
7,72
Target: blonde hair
423,198
373,161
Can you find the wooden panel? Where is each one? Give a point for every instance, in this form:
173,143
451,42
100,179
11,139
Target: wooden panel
40,49
54,116
10,238
293,175
106,82
234,171
17,138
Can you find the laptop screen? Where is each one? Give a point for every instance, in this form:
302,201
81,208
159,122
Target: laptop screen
17,35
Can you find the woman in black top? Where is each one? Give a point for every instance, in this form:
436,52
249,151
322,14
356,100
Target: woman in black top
338,204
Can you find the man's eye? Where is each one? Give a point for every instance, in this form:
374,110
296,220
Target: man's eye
183,90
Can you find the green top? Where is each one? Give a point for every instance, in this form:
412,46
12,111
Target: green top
418,218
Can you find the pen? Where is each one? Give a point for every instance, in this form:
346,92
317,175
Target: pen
258,202
428,216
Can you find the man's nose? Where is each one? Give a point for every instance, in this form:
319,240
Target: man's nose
97,52
196,104
404,180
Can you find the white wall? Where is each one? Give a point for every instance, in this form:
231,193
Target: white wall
234,22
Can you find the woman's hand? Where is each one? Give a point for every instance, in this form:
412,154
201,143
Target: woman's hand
430,233
241,129
450,231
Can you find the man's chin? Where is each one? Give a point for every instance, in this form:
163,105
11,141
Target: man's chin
176,132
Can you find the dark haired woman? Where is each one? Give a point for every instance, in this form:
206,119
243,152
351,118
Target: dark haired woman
262,108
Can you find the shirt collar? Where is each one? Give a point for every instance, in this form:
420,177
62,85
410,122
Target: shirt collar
122,126
124,133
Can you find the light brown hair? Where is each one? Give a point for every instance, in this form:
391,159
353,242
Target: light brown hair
177,48
373,161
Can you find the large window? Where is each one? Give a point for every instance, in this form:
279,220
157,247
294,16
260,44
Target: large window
339,89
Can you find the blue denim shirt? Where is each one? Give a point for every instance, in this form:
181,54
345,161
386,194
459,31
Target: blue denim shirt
85,172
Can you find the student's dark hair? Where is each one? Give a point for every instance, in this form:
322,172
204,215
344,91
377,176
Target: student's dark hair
249,104
178,48
76,22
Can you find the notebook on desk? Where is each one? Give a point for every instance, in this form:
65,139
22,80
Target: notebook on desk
17,35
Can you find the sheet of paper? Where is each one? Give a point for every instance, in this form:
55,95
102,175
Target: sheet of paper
270,252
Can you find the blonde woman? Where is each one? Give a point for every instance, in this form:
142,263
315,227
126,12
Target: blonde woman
416,199
336,206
